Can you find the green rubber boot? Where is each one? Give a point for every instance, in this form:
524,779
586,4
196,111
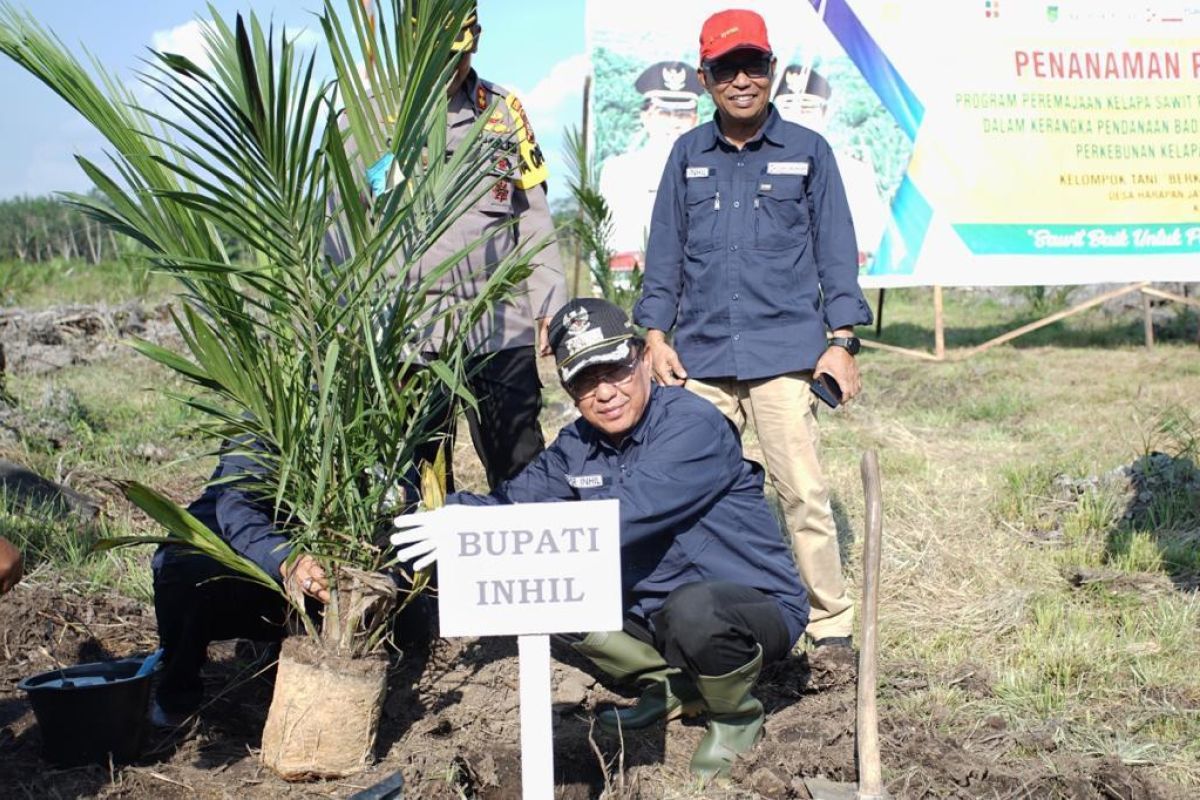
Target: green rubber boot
667,693
735,718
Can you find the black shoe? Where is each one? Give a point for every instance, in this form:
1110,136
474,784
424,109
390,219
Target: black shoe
833,641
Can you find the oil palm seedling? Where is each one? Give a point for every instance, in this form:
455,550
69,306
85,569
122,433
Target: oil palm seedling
235,177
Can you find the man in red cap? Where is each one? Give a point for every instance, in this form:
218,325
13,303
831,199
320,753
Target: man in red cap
752,264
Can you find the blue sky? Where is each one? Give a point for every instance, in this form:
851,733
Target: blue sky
535,48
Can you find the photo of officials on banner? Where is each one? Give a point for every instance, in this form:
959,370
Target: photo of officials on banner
1060,147
646,93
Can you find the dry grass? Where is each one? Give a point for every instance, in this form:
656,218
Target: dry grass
1007,600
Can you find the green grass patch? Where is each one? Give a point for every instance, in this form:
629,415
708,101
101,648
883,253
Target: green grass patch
69,282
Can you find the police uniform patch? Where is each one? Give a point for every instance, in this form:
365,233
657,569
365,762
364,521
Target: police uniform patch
533,163
481,97
698,172
503,188
496,124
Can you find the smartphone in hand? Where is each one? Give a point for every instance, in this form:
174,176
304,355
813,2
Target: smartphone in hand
827,389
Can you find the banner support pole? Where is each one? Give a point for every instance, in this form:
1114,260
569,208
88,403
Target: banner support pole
939,325
879,313
1147,321
1053,318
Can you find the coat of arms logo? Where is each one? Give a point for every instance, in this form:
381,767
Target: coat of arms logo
674,79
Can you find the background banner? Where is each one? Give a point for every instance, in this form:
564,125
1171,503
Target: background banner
989,142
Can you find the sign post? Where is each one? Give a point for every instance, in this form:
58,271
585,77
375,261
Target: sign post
529,570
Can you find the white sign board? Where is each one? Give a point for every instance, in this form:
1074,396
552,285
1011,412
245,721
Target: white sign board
530,568
527,570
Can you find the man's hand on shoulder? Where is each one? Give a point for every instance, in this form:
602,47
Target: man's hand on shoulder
11,565
841,366
665,366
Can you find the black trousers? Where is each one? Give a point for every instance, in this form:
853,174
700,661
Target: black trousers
505,430
198,601
713,627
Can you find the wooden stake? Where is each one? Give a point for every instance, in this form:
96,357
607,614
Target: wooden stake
1050,320
1147,321
939,329
904,351
1187,301
870,776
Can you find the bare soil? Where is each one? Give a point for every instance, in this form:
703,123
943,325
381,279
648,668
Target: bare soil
451,727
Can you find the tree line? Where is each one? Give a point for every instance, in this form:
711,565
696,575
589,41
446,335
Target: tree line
40,229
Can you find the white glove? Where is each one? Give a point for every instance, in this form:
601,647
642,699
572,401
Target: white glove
418,534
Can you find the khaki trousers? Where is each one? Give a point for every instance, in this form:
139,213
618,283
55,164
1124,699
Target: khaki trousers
783,412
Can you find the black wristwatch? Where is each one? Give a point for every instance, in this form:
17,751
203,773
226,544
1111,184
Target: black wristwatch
852,343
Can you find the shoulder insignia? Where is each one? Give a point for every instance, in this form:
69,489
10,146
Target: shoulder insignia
497,123
533,163
481,97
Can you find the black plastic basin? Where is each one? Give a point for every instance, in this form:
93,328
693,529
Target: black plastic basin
90,712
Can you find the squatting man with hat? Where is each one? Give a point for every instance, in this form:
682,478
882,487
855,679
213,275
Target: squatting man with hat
710,591
751,262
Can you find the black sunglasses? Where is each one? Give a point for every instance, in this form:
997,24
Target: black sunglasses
723,70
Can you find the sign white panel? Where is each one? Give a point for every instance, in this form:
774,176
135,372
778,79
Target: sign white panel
530,568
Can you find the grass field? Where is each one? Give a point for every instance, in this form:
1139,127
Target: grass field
1041,550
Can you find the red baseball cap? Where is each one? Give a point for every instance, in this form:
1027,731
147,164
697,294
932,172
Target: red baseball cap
728,30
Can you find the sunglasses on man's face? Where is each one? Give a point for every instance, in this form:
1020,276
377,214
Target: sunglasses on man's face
586,384
724,70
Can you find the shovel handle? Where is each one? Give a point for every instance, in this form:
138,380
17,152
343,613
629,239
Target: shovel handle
870,778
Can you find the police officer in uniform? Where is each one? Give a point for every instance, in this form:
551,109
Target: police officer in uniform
629,181
513,213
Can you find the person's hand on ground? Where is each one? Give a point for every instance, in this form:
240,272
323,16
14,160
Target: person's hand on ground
841,366
11,565
665,366
307,576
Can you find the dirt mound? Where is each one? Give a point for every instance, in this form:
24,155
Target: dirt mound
38,342
451,727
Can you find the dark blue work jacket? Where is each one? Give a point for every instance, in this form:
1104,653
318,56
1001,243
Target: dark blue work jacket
692,508
751,255
236,513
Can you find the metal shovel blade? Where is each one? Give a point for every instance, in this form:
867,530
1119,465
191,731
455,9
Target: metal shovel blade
822,789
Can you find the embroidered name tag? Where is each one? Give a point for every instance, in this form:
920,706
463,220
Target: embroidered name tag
787,168
585,481
698,172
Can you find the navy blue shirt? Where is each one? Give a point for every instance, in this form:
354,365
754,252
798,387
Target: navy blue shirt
751,255
692,508
232,510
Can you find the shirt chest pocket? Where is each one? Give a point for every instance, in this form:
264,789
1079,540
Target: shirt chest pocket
781,219
492,217
703,207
